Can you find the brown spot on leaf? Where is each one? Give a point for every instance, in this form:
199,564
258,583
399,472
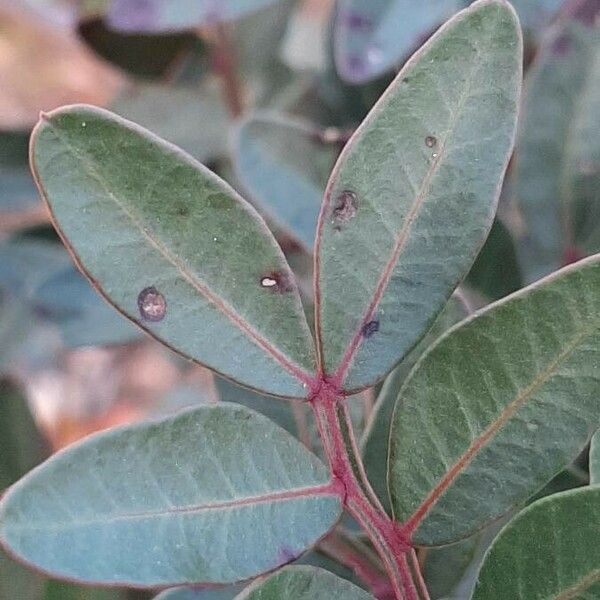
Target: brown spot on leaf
370,328
152,304
430,141
345,208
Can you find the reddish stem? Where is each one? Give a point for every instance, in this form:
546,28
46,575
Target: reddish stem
329,407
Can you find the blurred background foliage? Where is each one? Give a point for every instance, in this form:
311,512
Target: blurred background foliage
265,92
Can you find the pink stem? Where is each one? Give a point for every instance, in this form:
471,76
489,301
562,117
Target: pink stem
385,535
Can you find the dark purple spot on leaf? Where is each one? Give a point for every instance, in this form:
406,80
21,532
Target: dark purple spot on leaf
345,208
356,64
562,45
587,12
152,304
370,328
276,282
430,141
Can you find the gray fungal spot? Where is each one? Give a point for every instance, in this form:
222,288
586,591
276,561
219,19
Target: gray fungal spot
152,304
370,328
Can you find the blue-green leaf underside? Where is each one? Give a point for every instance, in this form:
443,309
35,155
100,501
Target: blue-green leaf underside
174,248
215,495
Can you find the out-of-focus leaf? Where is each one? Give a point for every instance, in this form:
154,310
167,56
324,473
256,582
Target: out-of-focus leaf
191,117
124,506
67,300
595,459
57,590
451,571
21,445
281,413
174,248
284,164
173,15
375,441
496,272
557,173
148,56
497,407
372,37
549,550
18,583
381,278
304,583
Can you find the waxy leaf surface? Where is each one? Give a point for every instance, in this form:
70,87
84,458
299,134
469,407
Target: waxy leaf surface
186,593
173,15
497,407
214,495
412,197
304,583
284,165
375,442
174,248
549,550
557,181
373,36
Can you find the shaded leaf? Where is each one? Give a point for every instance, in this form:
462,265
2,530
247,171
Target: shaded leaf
173,15
123,506
425,156
595,460
549,550
496,271
284,165
375,441
304,583
372,37
147,56
123,199
497,407
558,145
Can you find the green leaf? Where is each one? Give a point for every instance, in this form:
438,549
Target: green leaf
57,590
173,15
174,248
375,441
192,117
550,550
595,459
558,147
17,582
284,164
413,195
304,583
496,271
372,37
21,445
500,405
215,495
145,56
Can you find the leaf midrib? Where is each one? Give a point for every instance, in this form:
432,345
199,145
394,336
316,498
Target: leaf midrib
492,430
411,218
583,584
280,496
200,286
